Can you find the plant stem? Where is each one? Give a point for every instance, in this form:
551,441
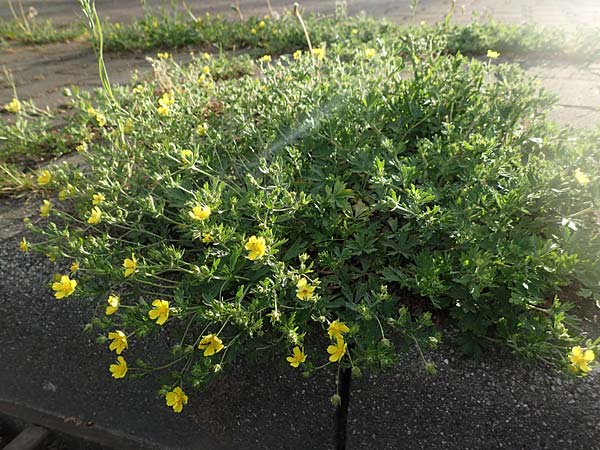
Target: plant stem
306,36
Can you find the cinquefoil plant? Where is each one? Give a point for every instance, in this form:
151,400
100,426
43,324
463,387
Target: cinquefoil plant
325,212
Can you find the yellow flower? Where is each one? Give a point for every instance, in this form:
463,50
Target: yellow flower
187,156
261,24
70,189
45,208
74,267
24,245
354,31
164,103
206,70
14,106
113,304
266,59
167,99
297,358
253,31
580,359
492,54
201,129
297,54
176,398
207,238
95,216
160,313
256,246
318,53
337,329
130,265
119,341
64,287
338,350
581,177
305,291
211,344
200,212
119,370
91,111
97,199
44,178
82,147
162,110
370,53
101,119
138,89
155,23
206,55
164,55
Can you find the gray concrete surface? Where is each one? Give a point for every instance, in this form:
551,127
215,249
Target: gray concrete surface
570,14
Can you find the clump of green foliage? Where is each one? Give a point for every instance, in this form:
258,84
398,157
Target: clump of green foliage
32,135
385,189
29,136
171,30
39,32
522,39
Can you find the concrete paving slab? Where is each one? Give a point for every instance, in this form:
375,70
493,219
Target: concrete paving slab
574,14
577,87
498,403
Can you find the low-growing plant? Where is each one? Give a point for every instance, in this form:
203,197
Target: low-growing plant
30,135
39,32
26,28
173,29
13,181
335,211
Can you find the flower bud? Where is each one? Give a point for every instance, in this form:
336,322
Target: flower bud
431,368
432,341
336,400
